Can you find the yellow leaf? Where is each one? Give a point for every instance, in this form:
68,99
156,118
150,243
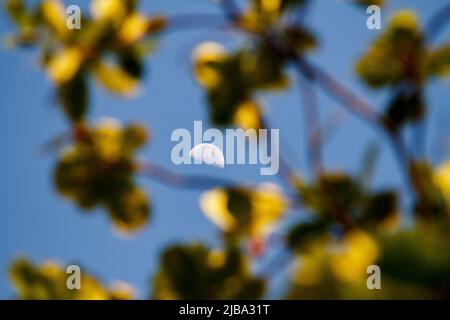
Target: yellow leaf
309,273
116,80
442,179
350,261
205,56
438,63
247,115
108,10
405,19
267,206
54,15
64,66
133,28
120,290
107,138
49,281
217,258
271,5
214,205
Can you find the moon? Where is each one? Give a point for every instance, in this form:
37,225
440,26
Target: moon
208,153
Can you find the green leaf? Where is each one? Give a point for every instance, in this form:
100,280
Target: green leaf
301,235
18,11
98,169
48,281
116,79
420,256
131,63
407,106
380,206
74,97
244,73
430,203
396,56
366,3
300,39
439,62
194,271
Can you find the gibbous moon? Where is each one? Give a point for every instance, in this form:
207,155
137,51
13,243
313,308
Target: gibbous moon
208,153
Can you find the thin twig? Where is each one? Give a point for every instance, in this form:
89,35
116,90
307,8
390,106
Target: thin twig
189,21
334,89
181,181
277,263
196,182
231,10
312,126
437,23
285,171
359,107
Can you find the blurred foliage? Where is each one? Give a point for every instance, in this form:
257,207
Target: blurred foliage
441,178
430,203
195,272
415,264
242,212
98,169
366,3
110,46
342,199
397,55
47,281
347,225
401,59
231,79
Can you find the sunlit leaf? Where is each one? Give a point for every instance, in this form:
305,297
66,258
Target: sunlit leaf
54,15
133,28
351,258
109,10
205,56
430,203
64,65
116,79
237,211
441,178
248,115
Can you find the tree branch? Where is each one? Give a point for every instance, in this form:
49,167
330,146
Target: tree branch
437,23
194,182
311,121
181,181
189,21
359,107
352,102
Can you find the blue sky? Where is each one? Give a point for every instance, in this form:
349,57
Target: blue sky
36,222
